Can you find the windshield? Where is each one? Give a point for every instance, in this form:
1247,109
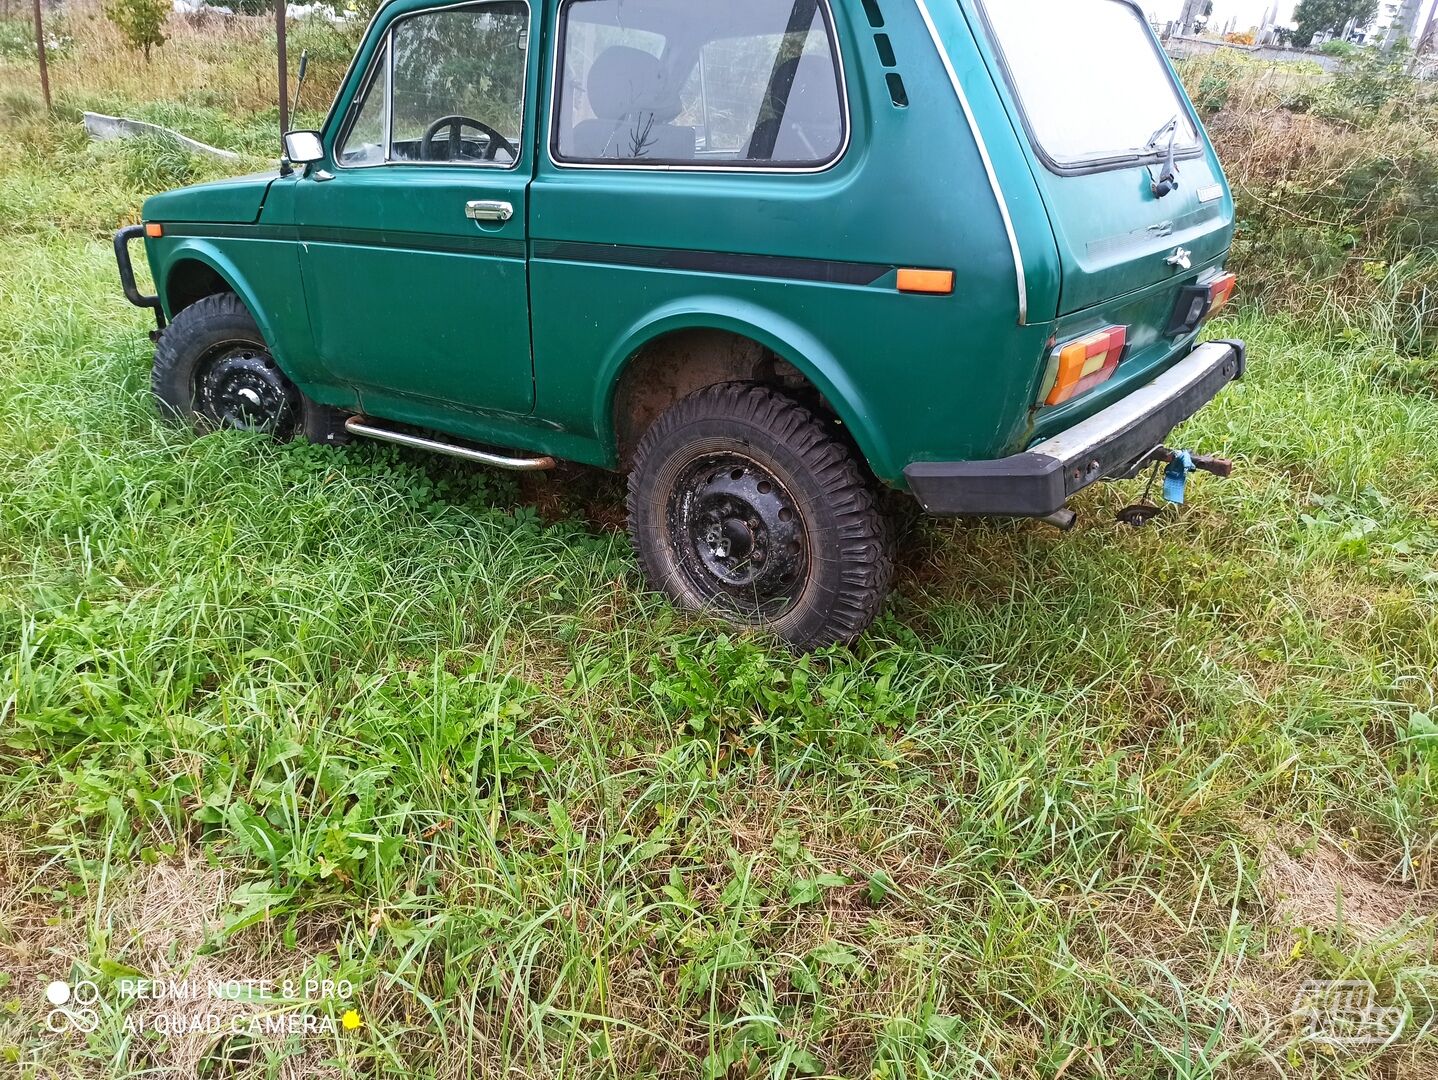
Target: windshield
1090,79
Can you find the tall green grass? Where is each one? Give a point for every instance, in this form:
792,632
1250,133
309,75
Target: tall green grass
446,749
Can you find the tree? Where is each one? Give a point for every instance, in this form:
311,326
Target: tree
142,22
1316,17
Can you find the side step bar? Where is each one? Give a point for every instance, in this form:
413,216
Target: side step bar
363,425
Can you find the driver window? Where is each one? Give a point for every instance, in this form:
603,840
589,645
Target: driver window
456,89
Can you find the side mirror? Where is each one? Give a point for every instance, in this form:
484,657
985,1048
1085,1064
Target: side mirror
304,147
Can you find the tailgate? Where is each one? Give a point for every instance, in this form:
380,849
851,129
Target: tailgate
1115,238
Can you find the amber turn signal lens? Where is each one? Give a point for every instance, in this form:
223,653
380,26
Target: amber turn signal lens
934,282
1087,362
154,230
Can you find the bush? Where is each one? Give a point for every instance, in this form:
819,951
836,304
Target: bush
1335,208
1339,48
1371,85
142,22
1221,72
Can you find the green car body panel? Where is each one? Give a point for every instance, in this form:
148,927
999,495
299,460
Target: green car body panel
368,283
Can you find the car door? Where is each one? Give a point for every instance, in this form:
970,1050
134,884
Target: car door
412,233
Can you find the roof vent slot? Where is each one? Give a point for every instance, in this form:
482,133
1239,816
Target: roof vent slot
884,44
886,50
897,94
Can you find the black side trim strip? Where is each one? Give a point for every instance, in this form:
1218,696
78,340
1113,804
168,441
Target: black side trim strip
714,262
779,267
497,246
236,232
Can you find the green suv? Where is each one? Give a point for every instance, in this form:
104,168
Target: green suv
767,257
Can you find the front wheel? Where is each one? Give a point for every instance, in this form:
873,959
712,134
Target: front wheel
213,370
742,505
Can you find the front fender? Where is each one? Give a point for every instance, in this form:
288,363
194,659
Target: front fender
280,312
785,338
203,251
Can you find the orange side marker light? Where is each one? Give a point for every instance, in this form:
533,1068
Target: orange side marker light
932,282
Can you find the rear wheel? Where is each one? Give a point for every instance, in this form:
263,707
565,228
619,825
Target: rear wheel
742,505
213,370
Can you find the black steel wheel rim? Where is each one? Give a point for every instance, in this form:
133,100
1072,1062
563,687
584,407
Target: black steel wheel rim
738,535
237,385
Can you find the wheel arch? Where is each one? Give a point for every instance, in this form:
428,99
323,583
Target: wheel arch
195,269
778,338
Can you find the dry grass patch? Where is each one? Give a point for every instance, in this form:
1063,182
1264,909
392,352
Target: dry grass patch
1324,888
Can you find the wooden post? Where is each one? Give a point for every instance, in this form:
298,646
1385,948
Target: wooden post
40,52
284,65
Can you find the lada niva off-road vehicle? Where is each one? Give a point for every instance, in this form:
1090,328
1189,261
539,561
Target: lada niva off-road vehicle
767,257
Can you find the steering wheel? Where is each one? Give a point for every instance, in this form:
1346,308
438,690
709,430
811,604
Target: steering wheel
455,124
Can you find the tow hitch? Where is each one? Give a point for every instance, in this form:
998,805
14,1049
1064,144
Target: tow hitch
1175,481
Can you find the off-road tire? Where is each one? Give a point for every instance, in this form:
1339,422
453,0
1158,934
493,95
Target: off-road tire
190,343
842,562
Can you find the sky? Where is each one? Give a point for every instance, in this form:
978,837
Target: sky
1248,12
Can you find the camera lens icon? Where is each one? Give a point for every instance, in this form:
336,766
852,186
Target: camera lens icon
74,1006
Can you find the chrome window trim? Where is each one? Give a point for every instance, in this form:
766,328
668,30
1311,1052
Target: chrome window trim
771,170
388,46
985,157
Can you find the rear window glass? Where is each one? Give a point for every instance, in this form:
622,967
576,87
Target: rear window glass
1090,79
699,83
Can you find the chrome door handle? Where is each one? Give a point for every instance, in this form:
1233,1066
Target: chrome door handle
485,210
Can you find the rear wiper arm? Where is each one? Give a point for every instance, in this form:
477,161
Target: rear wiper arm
1170,125
1167,180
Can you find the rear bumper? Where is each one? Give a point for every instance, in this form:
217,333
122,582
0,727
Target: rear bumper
1106,446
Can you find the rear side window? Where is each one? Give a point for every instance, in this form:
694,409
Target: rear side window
1090,80
697,83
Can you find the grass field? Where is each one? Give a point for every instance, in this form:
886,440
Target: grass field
1084,806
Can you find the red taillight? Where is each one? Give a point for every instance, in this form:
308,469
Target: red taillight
1220,292
1083,364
